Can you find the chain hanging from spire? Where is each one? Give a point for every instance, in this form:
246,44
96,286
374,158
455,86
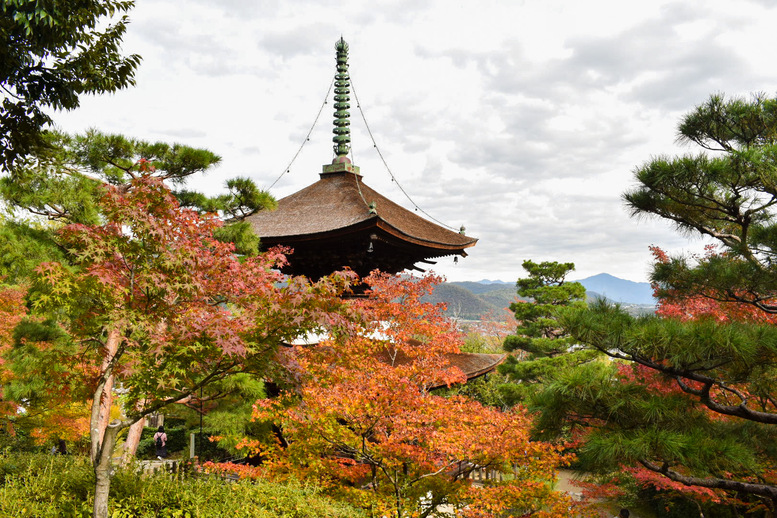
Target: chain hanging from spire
342,129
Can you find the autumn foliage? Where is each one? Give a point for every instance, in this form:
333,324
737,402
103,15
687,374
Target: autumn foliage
363,421
680,305
185,308
151,300
12,310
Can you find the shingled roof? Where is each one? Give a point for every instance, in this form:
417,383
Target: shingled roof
473,365
340,221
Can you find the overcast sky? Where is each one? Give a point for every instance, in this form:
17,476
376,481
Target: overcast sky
521,120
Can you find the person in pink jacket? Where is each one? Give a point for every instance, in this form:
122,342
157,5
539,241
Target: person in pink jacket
160,441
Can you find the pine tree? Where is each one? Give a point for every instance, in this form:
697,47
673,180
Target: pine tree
692,396
544,347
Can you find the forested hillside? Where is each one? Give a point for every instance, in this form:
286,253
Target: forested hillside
472,300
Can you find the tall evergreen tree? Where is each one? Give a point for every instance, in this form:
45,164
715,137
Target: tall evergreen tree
693,399
543,346
62,181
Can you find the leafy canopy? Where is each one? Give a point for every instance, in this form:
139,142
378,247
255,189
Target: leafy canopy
52,52
63,180
362,421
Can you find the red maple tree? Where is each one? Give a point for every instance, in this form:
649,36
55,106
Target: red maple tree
153,301
364,422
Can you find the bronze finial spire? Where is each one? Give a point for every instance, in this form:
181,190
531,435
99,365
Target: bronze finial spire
342,129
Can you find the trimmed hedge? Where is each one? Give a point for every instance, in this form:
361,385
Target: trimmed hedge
44,486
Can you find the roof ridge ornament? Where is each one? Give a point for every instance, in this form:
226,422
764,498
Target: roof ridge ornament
342,129
342,122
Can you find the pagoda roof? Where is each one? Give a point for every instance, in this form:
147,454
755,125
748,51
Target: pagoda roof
340,215
473,365
341,200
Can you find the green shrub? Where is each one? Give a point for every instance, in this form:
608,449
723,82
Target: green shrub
43,486
213,497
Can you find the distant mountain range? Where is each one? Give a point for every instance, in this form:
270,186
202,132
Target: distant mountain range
619,290
472,300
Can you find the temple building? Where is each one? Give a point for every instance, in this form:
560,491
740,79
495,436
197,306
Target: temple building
340,222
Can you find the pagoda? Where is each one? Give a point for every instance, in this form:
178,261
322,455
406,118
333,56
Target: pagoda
340,222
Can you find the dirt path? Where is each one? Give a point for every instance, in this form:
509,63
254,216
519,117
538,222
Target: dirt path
566,483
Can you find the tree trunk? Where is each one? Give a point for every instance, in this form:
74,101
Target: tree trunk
106,401
133,439
103,398
103,435
102,469
398,499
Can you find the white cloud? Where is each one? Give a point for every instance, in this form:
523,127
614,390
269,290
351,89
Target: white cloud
520,120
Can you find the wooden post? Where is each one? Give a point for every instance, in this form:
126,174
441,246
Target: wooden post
191,445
